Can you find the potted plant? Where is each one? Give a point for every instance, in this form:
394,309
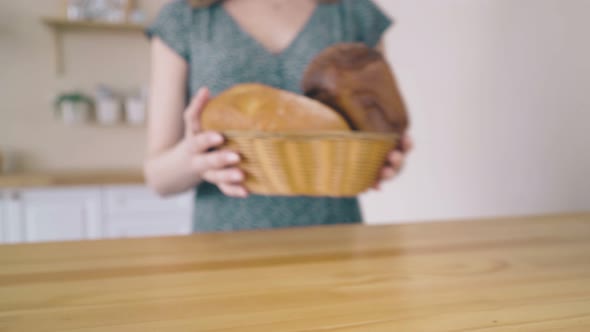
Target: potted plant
73,107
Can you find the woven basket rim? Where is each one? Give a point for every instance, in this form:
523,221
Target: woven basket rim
311,135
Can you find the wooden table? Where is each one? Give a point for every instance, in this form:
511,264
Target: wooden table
518,274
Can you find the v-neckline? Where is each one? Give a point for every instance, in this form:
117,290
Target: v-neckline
259,44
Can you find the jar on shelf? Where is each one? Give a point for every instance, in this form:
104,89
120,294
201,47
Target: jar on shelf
107,105
108,111
135,109
77,10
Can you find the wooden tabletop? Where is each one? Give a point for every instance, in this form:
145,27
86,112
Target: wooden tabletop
517,274
70,178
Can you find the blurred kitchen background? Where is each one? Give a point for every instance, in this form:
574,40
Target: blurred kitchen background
498,90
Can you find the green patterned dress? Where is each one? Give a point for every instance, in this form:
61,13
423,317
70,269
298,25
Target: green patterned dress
220,54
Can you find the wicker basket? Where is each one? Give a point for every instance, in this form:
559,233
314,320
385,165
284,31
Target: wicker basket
337,164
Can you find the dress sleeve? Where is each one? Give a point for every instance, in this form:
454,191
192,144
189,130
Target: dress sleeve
369,21
172,27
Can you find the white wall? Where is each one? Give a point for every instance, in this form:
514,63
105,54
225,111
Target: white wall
499,96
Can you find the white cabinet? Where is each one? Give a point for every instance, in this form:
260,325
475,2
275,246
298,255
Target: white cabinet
40,215
61,214
136,212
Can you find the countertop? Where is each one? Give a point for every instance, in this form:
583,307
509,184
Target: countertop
508,275
70,178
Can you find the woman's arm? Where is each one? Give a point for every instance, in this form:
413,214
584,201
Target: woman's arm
163,168
177,152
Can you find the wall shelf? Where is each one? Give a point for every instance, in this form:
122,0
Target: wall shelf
61,25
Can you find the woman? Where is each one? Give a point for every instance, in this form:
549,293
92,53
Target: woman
202,47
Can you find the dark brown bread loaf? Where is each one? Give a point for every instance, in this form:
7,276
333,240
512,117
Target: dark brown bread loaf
356,81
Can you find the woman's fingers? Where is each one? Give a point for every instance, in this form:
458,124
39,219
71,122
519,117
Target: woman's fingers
392,167
203,142
228,175
192,113
215,160
407,143
388,173
233,190
228,181
220,159
395,160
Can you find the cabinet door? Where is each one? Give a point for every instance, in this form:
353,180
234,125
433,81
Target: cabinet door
10,217
60,214
134,199
135,211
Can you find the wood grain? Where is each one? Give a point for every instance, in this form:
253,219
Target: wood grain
70,178
508,275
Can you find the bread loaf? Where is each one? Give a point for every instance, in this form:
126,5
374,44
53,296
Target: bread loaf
257,107
356,81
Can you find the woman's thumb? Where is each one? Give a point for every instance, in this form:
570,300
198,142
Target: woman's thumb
192,113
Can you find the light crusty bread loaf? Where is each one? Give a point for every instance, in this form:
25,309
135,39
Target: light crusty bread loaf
356,81
257,107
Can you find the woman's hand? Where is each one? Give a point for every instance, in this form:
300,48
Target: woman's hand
395,160
215,166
